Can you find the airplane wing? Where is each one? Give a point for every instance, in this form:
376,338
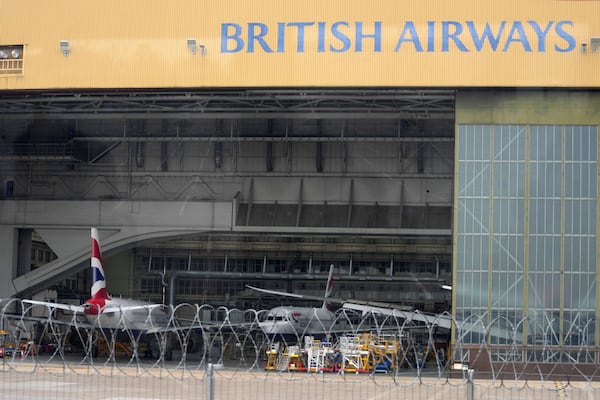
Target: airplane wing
60,306
440,320
21,317
364,306
338,300
148,307
81,308
286,294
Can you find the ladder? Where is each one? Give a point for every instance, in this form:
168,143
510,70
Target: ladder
282,364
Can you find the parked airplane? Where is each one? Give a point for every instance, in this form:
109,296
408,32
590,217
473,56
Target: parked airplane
291,323
104,312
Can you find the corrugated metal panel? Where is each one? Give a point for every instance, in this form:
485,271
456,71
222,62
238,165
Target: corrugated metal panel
140,43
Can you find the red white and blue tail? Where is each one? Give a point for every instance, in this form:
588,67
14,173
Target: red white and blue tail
328,289
98,276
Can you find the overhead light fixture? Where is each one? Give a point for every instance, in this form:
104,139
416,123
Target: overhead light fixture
11,59
14,52
595,44
192,45
65,48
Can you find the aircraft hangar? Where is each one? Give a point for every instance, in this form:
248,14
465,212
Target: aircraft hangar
258,144
358,178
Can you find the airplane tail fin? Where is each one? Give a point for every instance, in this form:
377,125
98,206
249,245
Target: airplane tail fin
98,277
328,289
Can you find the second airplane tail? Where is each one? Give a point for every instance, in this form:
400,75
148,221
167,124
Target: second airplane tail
328,289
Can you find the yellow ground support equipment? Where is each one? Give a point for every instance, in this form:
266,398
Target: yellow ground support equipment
272,357
295,359
120,348
6,348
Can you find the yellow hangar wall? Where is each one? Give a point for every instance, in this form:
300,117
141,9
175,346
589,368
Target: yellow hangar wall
270,43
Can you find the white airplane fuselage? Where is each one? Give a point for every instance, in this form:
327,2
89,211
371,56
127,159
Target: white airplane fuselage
131,315
292,323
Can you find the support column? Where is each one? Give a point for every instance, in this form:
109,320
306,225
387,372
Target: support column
9,242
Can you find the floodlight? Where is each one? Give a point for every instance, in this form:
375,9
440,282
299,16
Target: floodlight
192,45
65,47
595,44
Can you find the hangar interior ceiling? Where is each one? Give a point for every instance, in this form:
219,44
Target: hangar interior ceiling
377,160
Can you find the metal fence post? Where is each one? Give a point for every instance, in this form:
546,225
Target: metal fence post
470,385
210,382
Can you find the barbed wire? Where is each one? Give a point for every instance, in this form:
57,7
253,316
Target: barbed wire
386,349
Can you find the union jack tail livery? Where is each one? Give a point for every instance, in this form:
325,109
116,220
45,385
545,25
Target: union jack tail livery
98,276
96,304
102,312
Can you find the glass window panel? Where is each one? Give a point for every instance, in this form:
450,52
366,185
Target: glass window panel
462,175
461,214
479,289
584,176
469,187
497,215
485,180
554,214
484,216
545,143
573,180
535,179
585,215
553,180
572,145
462,143
536,215
481,150
568,253
519,216
544,290
573,214
519,170
536,145
581,143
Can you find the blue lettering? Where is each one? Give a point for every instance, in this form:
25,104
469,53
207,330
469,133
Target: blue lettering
486,35
301,26
280,37
376,36
409,28
517,34
335,31
321,37
571,43
338,36
430,36
447,36
253,36
235,36
541,34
